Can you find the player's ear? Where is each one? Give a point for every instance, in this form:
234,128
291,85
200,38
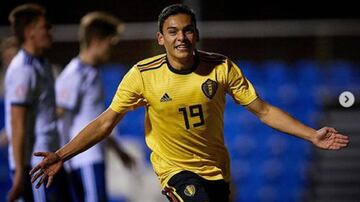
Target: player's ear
160,38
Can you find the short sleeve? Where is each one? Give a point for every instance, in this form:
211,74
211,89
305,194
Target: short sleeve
67,88
129,94
20,85
238,86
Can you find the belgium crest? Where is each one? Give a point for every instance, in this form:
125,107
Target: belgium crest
209,88
190,190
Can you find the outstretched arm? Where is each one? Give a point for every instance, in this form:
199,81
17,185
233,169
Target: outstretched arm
94,132
325,138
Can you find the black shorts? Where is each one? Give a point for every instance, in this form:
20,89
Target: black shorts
187,186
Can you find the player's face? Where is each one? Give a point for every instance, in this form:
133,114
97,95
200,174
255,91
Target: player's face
104,48
41,33
179,36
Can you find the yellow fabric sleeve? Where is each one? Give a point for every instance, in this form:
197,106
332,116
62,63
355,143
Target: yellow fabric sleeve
239,87
129,94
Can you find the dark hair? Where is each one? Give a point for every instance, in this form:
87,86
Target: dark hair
98,25
173,10
24,15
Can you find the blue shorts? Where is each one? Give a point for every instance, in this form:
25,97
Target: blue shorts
88,183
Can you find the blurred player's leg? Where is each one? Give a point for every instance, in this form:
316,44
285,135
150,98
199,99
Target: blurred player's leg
93,182
58,191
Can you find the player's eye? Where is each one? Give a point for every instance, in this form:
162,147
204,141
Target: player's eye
189,30
172,32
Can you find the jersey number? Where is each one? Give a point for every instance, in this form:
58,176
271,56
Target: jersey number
195,111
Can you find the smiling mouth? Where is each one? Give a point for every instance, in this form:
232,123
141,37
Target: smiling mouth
182,47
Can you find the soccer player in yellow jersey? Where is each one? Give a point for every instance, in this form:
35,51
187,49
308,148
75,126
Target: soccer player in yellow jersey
183,92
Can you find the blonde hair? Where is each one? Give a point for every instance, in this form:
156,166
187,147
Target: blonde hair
24,15
98,25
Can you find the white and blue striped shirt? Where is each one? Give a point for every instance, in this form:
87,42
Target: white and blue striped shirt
29,82
80,91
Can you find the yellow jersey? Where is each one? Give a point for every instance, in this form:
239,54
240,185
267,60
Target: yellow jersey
184,112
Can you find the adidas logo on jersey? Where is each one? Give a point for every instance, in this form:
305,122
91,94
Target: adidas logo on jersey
165,98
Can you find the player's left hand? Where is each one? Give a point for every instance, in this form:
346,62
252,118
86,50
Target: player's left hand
329,138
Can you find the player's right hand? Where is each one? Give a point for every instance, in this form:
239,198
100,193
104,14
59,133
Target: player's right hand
46,169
